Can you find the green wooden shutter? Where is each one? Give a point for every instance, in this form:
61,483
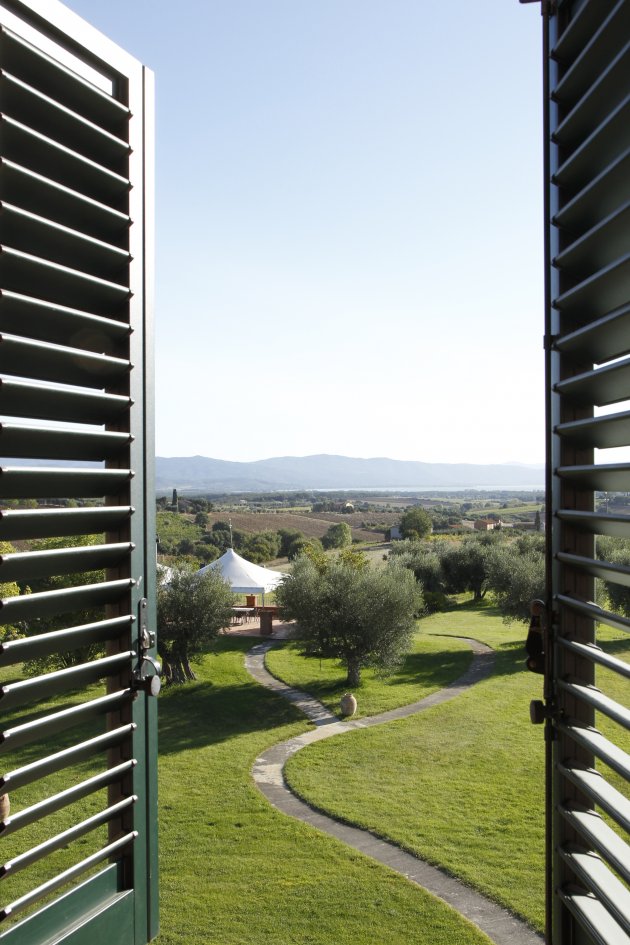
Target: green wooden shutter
587,60
78,742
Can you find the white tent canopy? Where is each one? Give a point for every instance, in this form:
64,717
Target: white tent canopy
244,577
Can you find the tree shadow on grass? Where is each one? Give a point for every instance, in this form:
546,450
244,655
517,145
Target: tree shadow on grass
206,712
430,669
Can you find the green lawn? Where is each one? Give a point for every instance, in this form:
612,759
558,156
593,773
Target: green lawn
236,872
432,663
233,870
460,784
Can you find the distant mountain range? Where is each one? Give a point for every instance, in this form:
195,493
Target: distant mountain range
202,474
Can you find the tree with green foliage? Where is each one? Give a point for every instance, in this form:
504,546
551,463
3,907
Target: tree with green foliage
516,575
616,597
192,611
9,589
415,523
176,533
338,535
363,616
302,545
287,537
55,582
464,564
262,546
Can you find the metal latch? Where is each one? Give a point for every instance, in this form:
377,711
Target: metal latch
146,676
535,643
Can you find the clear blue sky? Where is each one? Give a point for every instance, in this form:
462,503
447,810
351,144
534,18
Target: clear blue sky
349,243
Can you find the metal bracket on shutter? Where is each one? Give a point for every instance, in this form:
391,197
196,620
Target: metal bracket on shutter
146,676
536,643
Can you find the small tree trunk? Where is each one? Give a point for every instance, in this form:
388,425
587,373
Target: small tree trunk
354,672
167,670
177,671
188,670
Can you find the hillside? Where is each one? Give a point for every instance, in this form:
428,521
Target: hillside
203,474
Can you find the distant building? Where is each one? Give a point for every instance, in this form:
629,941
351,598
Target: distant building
394,533
487,524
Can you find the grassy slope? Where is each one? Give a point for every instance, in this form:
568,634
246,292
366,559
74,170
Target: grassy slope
236,872
233,870
461,784
431,664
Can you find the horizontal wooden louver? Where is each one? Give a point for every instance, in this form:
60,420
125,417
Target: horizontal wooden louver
588,341
74,742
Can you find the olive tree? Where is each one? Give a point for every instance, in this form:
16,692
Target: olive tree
192,611
415,523
364,617
516,575
616,596
465,568
338,535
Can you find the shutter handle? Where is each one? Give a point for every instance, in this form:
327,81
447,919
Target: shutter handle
146,681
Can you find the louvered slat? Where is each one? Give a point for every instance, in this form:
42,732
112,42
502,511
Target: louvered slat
20,777
597,524
48,603
601,340
24,230
43,644
47,443
40,195
22,482
584,23
62,365
602,748
60,123
606,385
64,680
55,283
587,331
66,837
610,477
20,399
592,916
617,573
599,433
595,830
25,566
601,44
29,815
591,651
75,301
46,888
598,197
598,700
47,523
600,792
43,72
601,881
23,315
609,86
56,722
45,156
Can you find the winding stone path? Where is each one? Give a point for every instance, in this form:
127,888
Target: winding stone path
498,924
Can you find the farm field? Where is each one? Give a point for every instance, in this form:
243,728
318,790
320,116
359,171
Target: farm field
313,526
